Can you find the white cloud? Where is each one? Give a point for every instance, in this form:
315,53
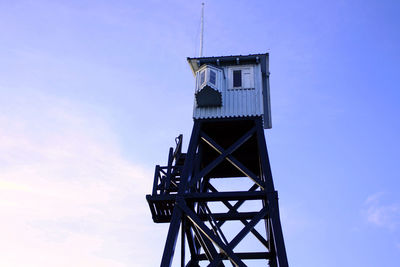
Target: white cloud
382,214
67,196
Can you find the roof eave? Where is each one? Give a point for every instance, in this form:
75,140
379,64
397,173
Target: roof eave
196,62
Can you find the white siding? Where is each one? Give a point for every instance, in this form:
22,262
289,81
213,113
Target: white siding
237,102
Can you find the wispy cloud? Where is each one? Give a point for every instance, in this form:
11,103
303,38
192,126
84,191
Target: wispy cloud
67,196
382,214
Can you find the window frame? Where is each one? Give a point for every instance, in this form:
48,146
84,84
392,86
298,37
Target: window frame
203,77
215,76
237,80
244,70
206,71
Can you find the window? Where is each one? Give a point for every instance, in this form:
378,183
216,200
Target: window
202,77
237,78
241,77
213,77
208,76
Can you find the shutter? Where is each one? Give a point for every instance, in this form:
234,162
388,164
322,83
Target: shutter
248,78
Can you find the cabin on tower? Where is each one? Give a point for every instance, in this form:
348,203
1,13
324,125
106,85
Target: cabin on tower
232,86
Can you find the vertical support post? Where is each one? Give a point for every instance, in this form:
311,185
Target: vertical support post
169,170
272,261
155,182
176,218
173,231
272,197
183,242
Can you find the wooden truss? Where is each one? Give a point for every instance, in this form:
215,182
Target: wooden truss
184,194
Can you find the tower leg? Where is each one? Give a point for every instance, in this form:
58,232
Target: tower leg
272,198
173,231
176,219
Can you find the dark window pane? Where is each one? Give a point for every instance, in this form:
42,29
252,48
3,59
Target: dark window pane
202,77
237,78
213,77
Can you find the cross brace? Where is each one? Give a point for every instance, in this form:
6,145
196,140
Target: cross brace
185,198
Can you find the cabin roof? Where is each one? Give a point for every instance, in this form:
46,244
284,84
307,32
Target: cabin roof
196,62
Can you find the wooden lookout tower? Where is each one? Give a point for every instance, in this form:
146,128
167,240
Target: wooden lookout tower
220,194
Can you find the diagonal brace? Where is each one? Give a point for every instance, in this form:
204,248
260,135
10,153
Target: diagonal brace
227,154
210,235
223,153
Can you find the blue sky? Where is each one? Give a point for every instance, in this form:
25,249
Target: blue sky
92,94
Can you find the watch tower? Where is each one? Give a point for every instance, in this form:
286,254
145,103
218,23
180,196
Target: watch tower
220,194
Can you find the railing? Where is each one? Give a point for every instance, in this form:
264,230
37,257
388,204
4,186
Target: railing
167,178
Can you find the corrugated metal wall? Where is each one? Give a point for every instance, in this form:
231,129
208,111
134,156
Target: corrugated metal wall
237,102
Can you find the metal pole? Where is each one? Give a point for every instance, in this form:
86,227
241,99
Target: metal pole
202,30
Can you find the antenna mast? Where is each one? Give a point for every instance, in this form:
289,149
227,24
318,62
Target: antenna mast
202,30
